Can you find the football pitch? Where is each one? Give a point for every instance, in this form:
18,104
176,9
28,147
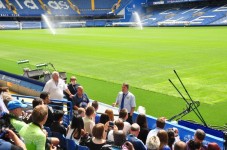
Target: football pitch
104,58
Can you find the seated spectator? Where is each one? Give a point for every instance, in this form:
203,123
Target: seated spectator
45,96
72,86
5,122
132,137
109,112
99,137
160,124
81,112
56,125
163,137
88,119
198,138
171,138
117,143
153,143
7,145
176,134
27,118
104,118
76,129
120,125
123,115
119,138
141,120
80,99
95,104
15,110
180,146
193,145
33,135
213,146
37,101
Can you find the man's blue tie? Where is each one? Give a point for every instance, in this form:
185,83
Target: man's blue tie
122,101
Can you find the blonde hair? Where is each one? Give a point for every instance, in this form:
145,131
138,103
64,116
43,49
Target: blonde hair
73,78
153,143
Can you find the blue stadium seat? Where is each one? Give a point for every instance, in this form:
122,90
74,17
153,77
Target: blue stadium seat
70,144
62,8
222,21
82,147
61,138
200,15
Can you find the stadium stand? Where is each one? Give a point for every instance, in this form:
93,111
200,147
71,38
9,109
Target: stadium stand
59,8
194,14
92,12
222,21
105,13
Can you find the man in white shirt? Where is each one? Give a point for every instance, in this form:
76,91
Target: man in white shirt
160,124
56,86
126,99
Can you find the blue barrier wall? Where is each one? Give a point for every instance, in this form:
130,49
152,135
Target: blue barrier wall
21,81
185,133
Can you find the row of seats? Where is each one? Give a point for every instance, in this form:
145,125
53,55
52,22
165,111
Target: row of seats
222,21
201,15
60,8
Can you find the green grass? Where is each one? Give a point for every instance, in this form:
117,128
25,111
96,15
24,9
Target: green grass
103,58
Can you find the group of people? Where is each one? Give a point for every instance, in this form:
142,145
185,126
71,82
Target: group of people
87,127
